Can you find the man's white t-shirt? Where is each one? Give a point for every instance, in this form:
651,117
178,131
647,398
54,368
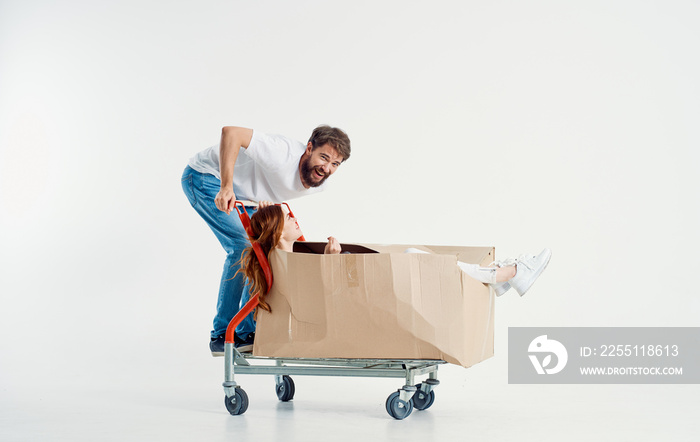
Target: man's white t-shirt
268,170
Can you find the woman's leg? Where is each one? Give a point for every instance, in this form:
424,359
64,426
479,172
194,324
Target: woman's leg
488,275
519,273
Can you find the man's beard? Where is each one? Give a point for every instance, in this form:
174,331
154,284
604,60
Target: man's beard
308,175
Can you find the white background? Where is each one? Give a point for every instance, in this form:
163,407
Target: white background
522,125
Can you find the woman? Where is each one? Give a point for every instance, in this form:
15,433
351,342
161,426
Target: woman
273,228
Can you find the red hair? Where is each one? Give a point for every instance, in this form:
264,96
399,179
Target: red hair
266,225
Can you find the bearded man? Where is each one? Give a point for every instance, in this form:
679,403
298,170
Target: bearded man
253,166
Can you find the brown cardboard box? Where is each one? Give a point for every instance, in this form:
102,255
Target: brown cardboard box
386,305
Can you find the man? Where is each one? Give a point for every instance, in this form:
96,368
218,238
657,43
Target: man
250,165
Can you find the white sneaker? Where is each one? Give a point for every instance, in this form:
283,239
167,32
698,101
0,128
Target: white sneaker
500,288
528,269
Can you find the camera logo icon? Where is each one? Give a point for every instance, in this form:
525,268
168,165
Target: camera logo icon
545,348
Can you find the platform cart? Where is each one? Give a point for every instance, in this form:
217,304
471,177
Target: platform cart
399,404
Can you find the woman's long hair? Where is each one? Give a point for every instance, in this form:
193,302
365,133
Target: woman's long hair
267,225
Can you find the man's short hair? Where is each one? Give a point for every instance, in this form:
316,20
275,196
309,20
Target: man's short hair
325,134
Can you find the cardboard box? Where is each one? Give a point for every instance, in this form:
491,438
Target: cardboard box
385,305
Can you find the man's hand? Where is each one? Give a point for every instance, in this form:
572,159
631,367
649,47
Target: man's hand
225,200
333,246
263,204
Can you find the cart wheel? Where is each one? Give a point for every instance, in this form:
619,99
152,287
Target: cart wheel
421,400
397,408
238,403
285,390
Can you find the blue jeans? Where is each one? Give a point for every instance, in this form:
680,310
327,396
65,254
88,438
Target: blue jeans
201,189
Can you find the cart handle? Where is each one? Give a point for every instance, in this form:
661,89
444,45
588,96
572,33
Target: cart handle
254,300
301,238
240,316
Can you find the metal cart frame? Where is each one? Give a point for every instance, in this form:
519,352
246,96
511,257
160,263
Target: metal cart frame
399,404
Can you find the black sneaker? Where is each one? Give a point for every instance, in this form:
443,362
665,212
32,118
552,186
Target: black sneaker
244,345
216,345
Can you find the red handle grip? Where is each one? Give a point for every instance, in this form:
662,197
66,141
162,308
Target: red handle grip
301,238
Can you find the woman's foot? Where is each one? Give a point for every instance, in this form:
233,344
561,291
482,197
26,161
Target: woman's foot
528,269
500,288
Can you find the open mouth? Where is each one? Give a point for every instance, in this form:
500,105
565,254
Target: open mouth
312,176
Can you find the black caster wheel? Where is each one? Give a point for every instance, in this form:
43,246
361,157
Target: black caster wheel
421,400
238,403
285,390
397,408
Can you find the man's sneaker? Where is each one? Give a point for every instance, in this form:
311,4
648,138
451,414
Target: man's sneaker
500,287
244,345
528,269
216,345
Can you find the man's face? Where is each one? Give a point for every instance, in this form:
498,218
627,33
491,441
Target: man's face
318,164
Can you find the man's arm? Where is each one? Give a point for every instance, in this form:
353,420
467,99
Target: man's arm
232,139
